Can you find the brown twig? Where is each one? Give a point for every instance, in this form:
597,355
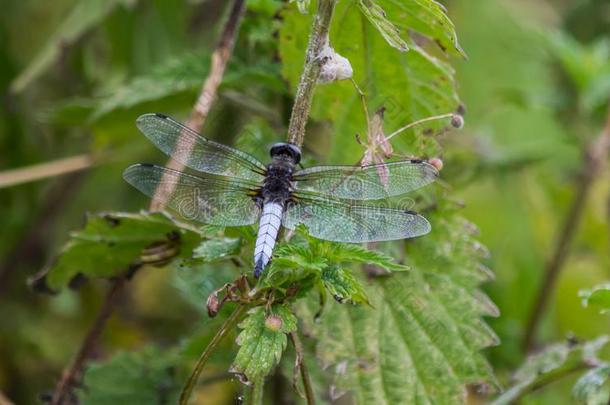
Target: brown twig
4,400
226,327
220,59
71,374
594,159
311,71
300,364
45,170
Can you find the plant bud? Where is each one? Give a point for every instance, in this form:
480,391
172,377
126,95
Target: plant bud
437,163
213,305
273,323
457,121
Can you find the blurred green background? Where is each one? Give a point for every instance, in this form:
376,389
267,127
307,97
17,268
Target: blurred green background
536,86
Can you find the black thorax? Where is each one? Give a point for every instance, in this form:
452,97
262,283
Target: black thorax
278,186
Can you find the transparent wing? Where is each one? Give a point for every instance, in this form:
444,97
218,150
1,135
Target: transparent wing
348,221
206,198
371,182
193,150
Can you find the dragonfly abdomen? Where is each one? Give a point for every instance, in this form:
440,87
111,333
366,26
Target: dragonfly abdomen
270,222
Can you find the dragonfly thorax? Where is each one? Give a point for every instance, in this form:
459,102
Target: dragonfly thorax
278,185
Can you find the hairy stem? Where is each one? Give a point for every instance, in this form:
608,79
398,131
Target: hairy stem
226,327
311,72
594,158
514,394
254,395
220,58
298,348
66,383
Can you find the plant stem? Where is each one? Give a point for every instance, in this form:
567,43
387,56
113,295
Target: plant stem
220,58
226,327
311,71
298,348
418,122
514,394
66,383
594,158
255,394
45,170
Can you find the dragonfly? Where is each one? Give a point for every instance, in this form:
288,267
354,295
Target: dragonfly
229,187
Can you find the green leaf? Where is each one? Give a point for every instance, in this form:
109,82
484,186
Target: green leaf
344,253
262,341
589,388
598,297
85,15
343,286
375,14
419,341
428,17
111,243
138,378
179,76
216,249
303,5
556,360
410,85
587,66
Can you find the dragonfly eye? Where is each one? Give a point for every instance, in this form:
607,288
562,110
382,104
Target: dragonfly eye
286,149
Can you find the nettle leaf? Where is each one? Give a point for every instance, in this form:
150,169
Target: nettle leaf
177,77
558,359
309,261
427,17
343,286
344,253
216,249
598,297
303,5
262,341
84,16
410,85
375,14
419,341
112,243
183,75
143,377
589,388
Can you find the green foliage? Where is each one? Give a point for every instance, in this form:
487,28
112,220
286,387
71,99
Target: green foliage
142,377
262,341
111,244
586,66
343,286
375,14
85,16
419,341
589,389
410,85
303,5
556,361
394,19
217,249
309,262
598,297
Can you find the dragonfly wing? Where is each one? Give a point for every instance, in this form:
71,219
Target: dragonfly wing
205,198
193,150
349,221
370,182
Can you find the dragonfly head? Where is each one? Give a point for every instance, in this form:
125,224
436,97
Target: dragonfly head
286,150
